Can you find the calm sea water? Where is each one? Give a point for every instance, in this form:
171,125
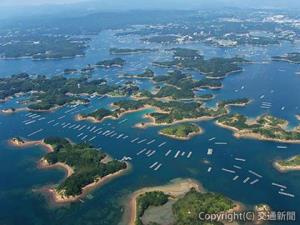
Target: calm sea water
276,81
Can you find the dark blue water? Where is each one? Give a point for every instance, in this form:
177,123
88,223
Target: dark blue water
277,82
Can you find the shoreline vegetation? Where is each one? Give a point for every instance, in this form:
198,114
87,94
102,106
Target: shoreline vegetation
264,127
166,113
43,93
86,168
293,57
185,131
183,194
129,51
214,68
290,164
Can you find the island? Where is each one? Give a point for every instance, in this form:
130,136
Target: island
178,202
147,74
213,68
293,57
264,127
129,51
45,93
42,47
86,166
183,131
109,63
166,112
290,164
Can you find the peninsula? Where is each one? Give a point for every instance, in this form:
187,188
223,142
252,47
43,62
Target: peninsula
265,127
87,166
290,164
178,202
293,57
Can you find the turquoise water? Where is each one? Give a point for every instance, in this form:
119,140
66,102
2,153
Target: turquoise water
277,81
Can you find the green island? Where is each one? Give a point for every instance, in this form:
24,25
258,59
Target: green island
183,131
88,165
47,47
177,85
48,93
265,127
109,63
214,68
166,112
290,164
178,203
129,51
147,74
293,57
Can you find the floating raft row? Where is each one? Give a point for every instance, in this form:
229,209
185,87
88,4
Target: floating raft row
162,144
255,174
228,171
168,152
240,159
286,194
281,147
35,132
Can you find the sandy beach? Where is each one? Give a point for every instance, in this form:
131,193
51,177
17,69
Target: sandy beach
283,169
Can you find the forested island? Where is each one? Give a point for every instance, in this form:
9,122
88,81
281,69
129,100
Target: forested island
293,57
147,74
129,51
180,201
265,127
183,131
49,93
214,68
166,113
289,164
47,47
109,63
87,166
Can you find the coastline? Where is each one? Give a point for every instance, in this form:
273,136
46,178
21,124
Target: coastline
175,188
92,119
250,135
152,122
56,196
188,137
284,169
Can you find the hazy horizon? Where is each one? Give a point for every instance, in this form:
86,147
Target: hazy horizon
156,4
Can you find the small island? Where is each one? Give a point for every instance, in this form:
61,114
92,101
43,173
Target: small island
291,164
109,63
179,202
86,166
293,57
129,51
265,127
147,74
183,131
